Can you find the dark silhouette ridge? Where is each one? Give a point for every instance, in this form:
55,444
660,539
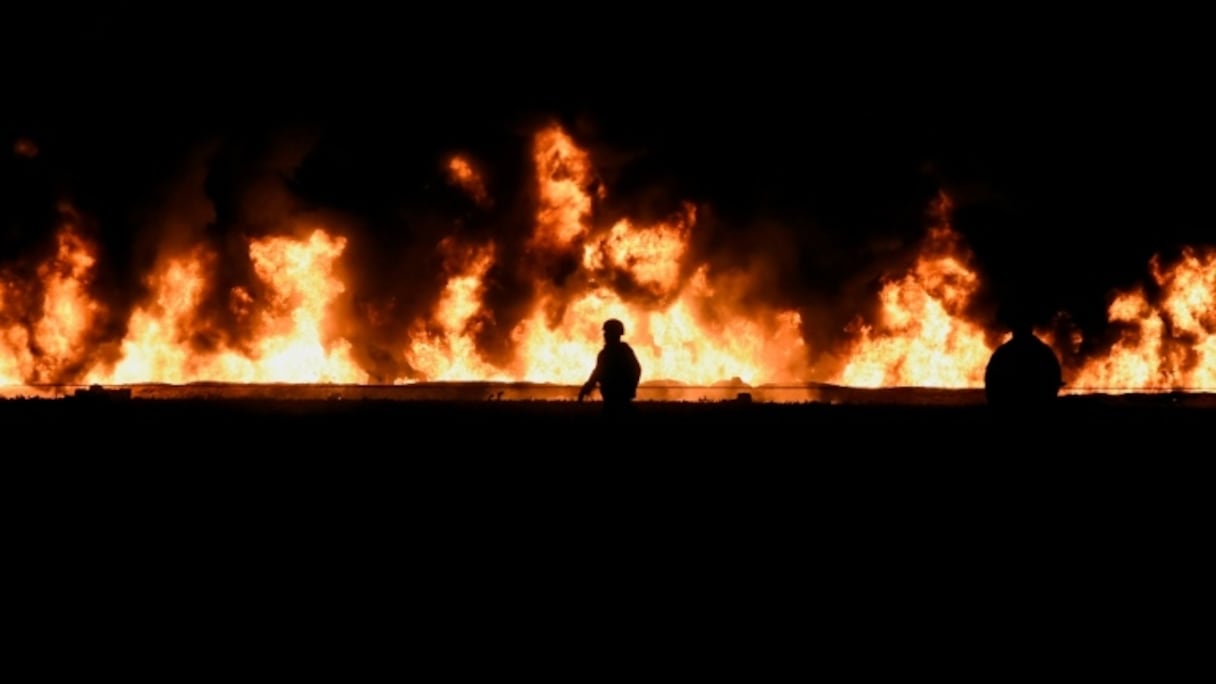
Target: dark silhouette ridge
617,371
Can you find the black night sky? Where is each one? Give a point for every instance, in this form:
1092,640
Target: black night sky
1075,149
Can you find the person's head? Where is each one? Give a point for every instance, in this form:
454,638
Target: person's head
614,330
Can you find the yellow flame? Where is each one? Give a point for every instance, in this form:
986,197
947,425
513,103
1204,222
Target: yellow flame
563,174
672,343
39,346
651,255
1171,346
446,349
16,360
922,338
289,343
67,310
693,334
157,345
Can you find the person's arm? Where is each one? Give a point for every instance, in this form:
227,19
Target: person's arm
591,381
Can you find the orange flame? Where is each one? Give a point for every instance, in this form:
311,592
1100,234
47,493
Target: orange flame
922,338
651,256
563,175
1171,346
67,309
687,322
166,338
692,334
40,345
300,274
672,343
16,359
446,349
157,344
462,174
688,328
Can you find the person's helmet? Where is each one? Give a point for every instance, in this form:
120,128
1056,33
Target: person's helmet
614,326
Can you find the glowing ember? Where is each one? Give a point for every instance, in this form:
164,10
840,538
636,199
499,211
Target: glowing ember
462,174
1171,345
922,338
24,147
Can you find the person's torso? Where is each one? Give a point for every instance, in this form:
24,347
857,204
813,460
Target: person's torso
618,371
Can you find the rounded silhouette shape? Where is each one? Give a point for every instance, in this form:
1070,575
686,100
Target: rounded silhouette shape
1022,372
614,327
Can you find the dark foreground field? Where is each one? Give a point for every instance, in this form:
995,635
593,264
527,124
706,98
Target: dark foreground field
730,536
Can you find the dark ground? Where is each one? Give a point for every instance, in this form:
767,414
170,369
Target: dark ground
727,537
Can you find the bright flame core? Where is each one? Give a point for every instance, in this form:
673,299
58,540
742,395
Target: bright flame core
44,330
1171,345
922,338
169,341
563,177
687,321
679,329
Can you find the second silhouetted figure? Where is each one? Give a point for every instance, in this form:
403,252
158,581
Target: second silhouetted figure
1024,371
617,370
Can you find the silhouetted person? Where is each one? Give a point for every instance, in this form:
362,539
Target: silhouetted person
617,370
1023,372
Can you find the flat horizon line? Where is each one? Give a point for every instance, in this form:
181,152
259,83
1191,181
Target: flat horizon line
721,386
